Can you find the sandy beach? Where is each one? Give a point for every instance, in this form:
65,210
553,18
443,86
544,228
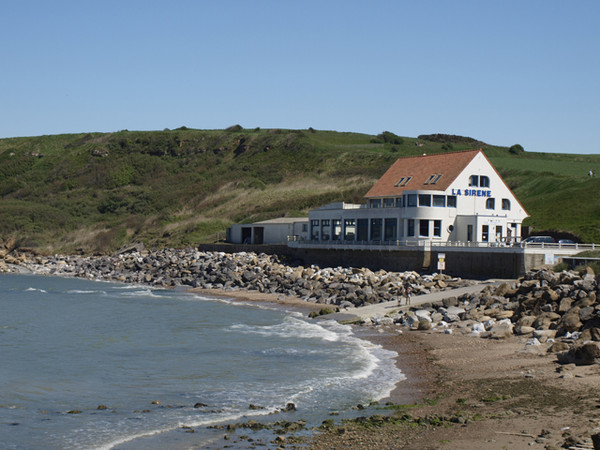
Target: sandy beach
464,392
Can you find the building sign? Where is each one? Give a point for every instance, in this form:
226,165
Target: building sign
472,192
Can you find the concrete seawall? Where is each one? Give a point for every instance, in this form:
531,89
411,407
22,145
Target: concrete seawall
467,263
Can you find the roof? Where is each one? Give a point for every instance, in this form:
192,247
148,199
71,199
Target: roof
414,173
282,220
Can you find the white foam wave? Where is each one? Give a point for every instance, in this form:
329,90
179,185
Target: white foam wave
194,424
86,292
31,289
290,327
143,293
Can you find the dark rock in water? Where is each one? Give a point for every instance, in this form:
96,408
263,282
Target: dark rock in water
200,405
290,407
74,411
102,407
255,407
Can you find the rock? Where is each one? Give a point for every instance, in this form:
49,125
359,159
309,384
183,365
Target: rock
424,324
544,335
571,322
585,354
557,347
498,331
523,330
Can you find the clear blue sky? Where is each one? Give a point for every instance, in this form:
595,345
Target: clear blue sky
504,72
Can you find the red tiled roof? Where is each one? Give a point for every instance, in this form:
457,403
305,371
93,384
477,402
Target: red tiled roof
420,168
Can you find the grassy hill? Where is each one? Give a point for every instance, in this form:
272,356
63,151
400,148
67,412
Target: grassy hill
95,192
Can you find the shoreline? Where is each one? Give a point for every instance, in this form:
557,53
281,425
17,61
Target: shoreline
411,389
481,393
463,391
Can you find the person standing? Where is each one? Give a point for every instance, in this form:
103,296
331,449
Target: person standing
407,292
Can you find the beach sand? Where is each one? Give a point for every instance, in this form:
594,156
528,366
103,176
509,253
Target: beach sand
464,392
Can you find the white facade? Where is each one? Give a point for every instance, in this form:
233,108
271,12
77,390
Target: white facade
275,231
473,204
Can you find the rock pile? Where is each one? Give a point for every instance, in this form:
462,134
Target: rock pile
561,309
338,286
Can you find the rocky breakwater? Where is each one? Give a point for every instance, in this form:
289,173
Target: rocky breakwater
560,310
341,287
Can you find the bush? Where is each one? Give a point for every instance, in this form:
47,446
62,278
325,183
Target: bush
234,128
387,138
516,149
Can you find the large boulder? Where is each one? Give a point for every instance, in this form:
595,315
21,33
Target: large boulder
585,354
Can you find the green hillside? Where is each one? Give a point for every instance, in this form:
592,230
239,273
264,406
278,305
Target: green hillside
95,192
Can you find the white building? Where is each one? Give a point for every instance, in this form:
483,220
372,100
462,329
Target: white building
448,197
274,231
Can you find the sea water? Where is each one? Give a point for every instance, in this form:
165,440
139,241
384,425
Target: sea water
150,356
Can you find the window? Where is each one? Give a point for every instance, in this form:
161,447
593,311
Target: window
485,233
439,200
314,225
391,226
362,233
349,229
376,225
433,178
375,203
424,228
403,181
304,227
424,200
399,203
490,203
411,227
337,229
411,200
451,201
484,181
506,204
474,180
498,233
388,202
325,229
437,228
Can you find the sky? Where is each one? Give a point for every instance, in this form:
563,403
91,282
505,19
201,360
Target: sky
504,72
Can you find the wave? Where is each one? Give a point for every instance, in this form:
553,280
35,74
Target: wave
32,289
85,292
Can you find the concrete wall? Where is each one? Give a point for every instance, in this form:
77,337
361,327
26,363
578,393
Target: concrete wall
463,263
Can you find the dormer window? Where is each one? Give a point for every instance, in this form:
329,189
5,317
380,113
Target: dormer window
403,181
433,178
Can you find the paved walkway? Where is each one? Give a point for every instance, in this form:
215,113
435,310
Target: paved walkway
384,308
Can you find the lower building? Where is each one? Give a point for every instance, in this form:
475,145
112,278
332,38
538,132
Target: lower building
274,231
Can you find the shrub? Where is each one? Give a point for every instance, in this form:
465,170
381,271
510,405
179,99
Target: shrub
516,149
234,128
387,138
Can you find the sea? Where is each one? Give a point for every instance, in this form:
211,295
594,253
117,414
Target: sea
98,365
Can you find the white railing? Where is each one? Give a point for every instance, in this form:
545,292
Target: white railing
296,241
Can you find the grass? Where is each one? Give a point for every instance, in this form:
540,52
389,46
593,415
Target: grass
96,191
